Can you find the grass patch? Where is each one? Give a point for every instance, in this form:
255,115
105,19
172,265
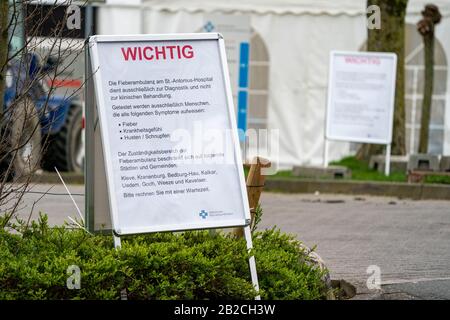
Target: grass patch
437,179
362,172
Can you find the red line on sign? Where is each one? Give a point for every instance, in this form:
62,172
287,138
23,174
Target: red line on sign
70,83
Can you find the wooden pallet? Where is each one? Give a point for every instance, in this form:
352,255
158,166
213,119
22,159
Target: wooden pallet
419,176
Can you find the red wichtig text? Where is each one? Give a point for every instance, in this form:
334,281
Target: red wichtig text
158,53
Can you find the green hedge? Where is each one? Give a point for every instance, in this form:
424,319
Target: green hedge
189,265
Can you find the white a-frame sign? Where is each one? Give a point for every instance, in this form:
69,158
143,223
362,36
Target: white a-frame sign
162,150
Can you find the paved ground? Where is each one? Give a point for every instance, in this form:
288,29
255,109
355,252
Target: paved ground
408,240
55,203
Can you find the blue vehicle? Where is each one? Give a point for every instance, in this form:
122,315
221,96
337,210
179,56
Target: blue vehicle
45,129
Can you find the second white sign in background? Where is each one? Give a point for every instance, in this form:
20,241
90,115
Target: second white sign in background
361,96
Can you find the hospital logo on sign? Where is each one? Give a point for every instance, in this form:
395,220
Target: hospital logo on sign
209,26
203,214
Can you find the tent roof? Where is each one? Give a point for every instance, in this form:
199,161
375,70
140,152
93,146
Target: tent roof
330,7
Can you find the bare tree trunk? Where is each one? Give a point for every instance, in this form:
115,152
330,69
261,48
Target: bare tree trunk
427,94
426,26
3,50
390,38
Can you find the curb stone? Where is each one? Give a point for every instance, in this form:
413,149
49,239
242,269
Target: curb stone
413,191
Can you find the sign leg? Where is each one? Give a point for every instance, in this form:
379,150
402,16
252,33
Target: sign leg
118,245
252,263
387,165
117,242
325,153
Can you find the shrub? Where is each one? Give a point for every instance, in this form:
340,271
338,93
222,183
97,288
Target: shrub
190,265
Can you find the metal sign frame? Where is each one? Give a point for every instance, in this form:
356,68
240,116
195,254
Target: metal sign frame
120,230
93,84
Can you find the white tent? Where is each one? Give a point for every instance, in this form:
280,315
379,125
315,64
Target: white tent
297,36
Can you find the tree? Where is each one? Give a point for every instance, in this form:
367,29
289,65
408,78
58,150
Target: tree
390,38
25,67
3,47
426,26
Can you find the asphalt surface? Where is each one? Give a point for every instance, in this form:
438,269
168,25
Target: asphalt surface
408,240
